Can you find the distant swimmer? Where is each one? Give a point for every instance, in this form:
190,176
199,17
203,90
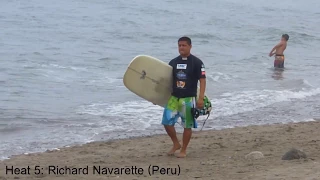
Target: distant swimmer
279,51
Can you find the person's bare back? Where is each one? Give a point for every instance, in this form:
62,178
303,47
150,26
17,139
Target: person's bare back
281,48
279,51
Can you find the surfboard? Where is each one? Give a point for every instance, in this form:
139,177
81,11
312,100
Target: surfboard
149,78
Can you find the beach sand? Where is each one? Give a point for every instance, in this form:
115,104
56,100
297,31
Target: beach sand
216,154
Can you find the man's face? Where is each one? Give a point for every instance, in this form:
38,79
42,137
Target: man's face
283,39
184,47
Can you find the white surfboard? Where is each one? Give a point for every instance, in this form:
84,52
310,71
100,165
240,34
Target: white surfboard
150,79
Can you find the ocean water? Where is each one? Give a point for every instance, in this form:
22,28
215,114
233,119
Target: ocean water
62,62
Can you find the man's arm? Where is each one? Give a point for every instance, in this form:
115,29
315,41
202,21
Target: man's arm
202,87
202,78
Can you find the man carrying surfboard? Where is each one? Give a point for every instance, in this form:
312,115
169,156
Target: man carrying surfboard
187,71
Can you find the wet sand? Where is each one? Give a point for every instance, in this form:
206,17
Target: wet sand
216,154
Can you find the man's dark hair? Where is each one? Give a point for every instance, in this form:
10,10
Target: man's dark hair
185,38
285,36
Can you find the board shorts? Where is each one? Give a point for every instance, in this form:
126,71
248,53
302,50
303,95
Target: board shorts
279,61
180,107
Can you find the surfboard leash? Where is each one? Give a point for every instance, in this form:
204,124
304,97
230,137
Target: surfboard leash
205,121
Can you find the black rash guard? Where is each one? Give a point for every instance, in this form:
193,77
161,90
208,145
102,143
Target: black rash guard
186,73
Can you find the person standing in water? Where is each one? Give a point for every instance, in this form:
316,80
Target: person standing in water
187,70
278,51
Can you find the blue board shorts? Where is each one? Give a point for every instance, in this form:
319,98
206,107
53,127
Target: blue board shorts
179,107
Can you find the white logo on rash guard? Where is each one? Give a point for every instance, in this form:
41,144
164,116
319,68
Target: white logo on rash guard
181,66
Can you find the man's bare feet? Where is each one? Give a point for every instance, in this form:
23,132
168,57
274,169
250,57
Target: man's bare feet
181,155
173,150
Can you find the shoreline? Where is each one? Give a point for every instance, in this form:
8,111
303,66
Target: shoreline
211,153
143,136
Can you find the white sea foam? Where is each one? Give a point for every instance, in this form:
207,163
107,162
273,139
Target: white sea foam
228,104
